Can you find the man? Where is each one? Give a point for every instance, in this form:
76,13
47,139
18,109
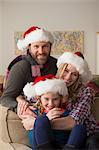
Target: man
37,62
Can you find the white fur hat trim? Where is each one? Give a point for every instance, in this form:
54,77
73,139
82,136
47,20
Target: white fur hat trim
78,62
42,87
34,36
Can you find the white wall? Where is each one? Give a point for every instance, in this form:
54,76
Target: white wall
97,58
1,50
54,15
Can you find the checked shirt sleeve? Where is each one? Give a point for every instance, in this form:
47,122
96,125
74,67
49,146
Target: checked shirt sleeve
82,108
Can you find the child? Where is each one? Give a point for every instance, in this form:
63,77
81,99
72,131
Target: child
51,95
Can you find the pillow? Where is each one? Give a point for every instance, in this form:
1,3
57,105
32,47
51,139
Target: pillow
11,129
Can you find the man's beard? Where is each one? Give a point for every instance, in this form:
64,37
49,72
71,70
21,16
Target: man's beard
41,59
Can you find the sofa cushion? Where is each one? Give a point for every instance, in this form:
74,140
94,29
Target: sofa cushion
11,129
13,146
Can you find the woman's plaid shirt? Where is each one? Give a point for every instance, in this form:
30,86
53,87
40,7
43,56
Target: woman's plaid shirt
81,109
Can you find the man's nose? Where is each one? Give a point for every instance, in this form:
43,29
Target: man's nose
40,50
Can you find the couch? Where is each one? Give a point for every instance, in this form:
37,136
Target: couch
95,106
11,124
11,128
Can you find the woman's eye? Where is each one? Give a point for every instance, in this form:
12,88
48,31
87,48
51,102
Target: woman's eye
74,75
66,70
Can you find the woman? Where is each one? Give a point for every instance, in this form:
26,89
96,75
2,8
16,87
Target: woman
75,72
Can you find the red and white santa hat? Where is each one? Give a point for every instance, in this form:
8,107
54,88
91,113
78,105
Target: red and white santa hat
78,61
34,34
44,84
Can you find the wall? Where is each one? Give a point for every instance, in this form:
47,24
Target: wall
97,54
1,51
54,15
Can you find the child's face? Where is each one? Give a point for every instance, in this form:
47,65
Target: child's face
50,100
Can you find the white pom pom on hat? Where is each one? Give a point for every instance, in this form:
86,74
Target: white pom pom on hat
78,61
29,90
45,84
34,34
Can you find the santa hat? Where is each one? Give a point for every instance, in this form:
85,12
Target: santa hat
34,34
44,84
78,61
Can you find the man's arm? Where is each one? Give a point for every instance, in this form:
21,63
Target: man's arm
15,83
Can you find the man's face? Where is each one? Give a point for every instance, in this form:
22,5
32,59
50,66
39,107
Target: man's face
40,51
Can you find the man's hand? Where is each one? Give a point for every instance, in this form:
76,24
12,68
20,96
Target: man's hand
23,108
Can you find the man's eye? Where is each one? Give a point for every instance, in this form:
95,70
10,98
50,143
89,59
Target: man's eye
36,46
45,46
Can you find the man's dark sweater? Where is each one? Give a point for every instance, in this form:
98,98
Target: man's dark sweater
19,75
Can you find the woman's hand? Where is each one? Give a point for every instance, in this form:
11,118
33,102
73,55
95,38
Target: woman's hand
28,122
54,113
23,108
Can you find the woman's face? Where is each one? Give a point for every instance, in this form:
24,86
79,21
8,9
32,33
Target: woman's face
70,75
50,100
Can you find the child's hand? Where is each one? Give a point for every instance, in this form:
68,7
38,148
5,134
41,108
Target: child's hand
54,113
